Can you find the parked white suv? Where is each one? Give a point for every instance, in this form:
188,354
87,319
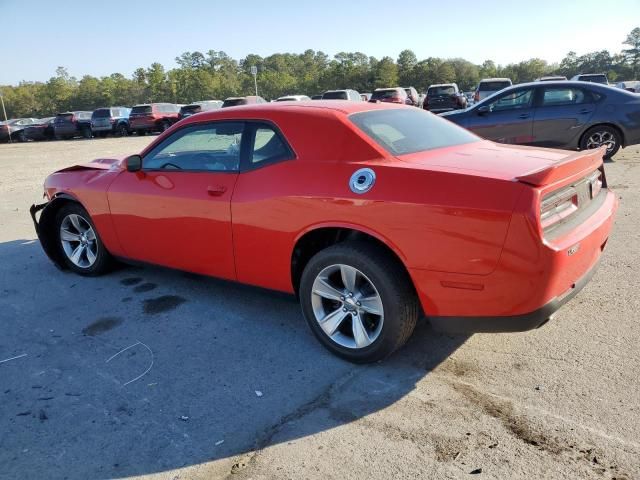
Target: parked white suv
342,95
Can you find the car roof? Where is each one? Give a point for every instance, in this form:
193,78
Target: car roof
340,107
442,85
496,79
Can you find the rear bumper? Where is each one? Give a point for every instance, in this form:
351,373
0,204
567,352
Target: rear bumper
532,280
511,323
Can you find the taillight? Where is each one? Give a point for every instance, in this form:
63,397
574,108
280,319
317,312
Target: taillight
557,206
112,120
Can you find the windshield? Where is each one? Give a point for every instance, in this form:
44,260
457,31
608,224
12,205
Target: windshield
408,130
444,90
341,95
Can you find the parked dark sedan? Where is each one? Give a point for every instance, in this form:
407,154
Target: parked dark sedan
564,114
41,129
13,129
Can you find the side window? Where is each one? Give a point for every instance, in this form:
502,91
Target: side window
513,101
214,147
564,96
268,147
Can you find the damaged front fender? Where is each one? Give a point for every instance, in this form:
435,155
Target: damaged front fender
45,229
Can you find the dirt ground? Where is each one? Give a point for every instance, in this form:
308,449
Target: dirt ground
235,384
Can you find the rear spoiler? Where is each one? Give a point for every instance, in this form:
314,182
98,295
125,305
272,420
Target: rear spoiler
586,160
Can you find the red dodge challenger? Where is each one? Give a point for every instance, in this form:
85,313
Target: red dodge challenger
369,213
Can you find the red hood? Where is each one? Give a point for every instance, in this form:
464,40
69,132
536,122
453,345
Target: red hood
114,163
537,166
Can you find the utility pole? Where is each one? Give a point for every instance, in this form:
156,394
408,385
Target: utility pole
5,116
254,72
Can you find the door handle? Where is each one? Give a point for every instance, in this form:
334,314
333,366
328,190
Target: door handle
524,115
217,190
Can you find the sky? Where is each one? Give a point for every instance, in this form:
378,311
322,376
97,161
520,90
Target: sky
100,38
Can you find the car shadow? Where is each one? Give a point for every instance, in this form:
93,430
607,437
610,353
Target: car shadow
147,370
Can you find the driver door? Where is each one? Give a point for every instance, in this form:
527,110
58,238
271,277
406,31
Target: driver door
509,118
176,211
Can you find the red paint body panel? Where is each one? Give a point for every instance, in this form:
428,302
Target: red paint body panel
455,216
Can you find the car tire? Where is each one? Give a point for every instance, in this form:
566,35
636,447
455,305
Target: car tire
602,135
80,245
21,137
164,126
141,133
86,132
122,131
333,310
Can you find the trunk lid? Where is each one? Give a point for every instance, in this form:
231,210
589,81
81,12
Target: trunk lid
531,165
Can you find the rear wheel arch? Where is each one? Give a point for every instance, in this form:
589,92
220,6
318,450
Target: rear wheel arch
605,124
314,240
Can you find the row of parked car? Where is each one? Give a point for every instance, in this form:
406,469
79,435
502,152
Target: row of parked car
116,121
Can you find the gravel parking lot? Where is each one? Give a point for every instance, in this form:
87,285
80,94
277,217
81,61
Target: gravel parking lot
236,385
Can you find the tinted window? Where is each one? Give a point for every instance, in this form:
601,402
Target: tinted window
380,94
594,79
102,113
564,96
335,96
493,86
512,101
142,109
233,102
191,109
213,147
403,131
268,146
447,90
66,117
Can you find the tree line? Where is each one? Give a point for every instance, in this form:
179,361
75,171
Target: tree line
215,75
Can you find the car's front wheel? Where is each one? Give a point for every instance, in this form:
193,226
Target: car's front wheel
359,301
81,246
602,135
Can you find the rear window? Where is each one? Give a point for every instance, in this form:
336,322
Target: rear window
234,102
445,90
335,96
66,117
380,94
404,131
143,109
102,113
493,86
190,109
593,79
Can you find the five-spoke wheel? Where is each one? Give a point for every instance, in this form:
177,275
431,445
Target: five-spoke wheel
358,300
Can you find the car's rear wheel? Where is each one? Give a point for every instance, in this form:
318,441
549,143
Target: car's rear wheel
122,131
81,246
359,301
165,126
21,136
602,135
141,133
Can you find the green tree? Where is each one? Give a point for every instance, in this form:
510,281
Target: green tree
632,55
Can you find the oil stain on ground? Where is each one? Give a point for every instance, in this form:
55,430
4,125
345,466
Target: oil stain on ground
144,287
130,281
101,325
165,303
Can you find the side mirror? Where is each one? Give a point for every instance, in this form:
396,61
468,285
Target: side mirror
134,163
483,110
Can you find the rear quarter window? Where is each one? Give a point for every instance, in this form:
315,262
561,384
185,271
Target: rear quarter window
402,131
